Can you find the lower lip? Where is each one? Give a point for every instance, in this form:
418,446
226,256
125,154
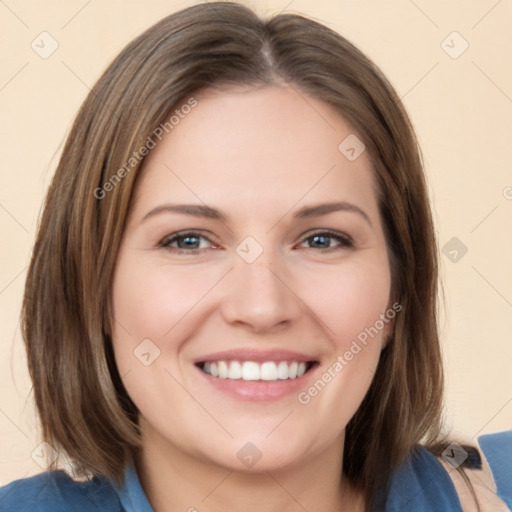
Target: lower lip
258,390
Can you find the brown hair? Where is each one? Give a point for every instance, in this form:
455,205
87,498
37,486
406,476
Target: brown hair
84,409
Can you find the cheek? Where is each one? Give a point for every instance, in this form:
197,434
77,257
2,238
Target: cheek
350,304
349,300
151,300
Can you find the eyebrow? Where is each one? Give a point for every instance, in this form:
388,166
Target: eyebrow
325,208
198,210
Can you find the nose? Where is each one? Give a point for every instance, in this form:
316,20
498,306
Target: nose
261,296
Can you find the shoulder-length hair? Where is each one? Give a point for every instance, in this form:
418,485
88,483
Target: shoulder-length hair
84,409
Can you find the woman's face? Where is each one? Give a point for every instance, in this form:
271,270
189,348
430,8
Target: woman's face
253,251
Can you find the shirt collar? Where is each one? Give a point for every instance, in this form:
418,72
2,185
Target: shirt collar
131,494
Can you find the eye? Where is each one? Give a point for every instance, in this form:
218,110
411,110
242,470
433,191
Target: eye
190,242
323,240
193,242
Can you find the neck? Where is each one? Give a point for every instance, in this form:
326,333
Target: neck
175,481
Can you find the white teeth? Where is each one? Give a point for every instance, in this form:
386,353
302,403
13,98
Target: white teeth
292,370
282,370
223,369
250,370
269,371
235,370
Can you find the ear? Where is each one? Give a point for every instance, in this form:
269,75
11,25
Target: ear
388,333
394,308
385,341
106,330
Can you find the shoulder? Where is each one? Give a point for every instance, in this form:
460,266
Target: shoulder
421,484
55,491
453,480
497,450
492,479
429,482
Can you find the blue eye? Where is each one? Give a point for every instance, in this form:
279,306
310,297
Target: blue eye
192,242
189,242
323,239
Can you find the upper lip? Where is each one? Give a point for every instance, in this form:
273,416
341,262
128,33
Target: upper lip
258,356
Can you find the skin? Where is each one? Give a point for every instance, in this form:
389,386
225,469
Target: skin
258,155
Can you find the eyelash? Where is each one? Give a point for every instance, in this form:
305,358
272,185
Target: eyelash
344,241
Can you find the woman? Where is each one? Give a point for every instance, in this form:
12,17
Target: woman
233,288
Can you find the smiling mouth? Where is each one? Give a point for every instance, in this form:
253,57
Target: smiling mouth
267,371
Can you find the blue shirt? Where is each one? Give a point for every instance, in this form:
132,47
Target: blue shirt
421,484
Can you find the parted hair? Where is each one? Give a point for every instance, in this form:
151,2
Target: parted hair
84,409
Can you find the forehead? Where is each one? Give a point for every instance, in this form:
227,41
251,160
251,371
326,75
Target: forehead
256,147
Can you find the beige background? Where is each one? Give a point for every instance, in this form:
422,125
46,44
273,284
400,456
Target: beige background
462,110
